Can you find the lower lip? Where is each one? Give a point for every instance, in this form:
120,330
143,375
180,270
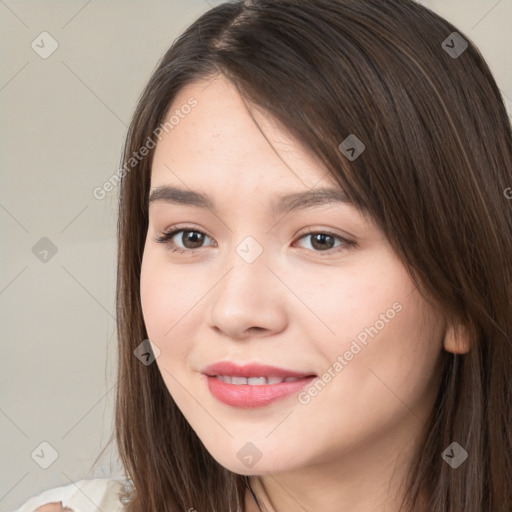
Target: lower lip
247,396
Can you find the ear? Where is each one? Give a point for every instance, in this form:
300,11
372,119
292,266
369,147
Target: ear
456,339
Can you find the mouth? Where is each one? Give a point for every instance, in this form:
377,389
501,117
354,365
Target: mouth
253,385
253,381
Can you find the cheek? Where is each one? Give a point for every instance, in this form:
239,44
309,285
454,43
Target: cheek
394,371
387,337
162,292
172,313
153,300
355,303
171,305
161,295
411,346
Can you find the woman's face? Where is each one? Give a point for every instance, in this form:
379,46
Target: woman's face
259,284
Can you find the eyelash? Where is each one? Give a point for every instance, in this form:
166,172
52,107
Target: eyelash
165,238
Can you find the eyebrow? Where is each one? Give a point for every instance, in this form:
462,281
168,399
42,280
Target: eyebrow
282,205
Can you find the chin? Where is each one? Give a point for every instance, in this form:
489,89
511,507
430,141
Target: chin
247,461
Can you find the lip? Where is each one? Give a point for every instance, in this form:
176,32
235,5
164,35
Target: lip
252,396
251,370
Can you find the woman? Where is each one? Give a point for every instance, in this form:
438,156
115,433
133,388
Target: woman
314,285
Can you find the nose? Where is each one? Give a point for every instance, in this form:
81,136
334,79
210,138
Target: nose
248,301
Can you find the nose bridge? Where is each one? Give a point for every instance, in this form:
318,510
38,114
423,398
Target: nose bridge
246,295
249,274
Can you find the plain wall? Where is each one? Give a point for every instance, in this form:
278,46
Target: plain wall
64,119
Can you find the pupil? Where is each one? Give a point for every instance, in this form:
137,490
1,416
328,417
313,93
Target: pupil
190,235
322,237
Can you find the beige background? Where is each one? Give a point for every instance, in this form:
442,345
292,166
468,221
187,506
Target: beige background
64,119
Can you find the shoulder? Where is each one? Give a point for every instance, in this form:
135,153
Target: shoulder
82,496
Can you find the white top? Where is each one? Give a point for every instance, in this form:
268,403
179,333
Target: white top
96,495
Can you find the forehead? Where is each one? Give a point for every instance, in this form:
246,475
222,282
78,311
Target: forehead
217,140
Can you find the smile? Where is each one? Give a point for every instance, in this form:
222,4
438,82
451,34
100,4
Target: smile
255,381
252,385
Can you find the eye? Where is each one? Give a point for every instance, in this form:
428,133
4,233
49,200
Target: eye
193,239
323,241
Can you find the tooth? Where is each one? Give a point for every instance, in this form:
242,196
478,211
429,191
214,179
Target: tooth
238,380
256,381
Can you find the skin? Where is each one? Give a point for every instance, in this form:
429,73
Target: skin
297,306
53,507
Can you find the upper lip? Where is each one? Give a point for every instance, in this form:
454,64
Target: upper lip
251,370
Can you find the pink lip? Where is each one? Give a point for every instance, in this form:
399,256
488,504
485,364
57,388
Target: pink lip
251,396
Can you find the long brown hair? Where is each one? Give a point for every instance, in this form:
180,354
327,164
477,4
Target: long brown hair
433,176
